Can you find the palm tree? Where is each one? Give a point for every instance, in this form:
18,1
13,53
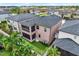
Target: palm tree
54,52
16,45
4,26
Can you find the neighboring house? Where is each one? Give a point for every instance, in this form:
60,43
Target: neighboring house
65,13
3,15
34,11
76,14
68,37
42,28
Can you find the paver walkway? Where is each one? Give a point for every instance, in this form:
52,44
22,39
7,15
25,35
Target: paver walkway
2,32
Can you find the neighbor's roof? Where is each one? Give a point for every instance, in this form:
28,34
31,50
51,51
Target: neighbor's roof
4,12
70,23
68,45
3,16
71,27
21,17
46,21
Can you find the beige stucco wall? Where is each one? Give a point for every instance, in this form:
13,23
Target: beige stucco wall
44,36
54,29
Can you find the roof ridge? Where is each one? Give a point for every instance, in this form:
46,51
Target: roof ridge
69,25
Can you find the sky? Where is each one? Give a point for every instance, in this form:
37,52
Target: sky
38,2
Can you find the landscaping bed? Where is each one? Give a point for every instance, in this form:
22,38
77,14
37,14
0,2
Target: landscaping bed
15,45
39,47
4,26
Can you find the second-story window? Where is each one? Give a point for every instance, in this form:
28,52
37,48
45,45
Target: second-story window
45,29
37,27
33,28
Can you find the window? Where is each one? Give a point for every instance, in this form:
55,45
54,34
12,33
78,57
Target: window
45,29
33,28
39,36
37,27
33,36
25,28
26,35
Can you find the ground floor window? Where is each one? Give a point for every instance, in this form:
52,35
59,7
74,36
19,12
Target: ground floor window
39,35
26,35
33,36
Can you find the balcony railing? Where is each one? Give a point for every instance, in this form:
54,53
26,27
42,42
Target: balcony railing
25,28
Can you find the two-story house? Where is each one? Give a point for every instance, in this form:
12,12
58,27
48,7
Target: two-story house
33,27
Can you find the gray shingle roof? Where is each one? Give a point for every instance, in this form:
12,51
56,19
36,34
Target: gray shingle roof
21,17
71,27
70,23
3,16
46,21
49,21
4,12
68,45
31,19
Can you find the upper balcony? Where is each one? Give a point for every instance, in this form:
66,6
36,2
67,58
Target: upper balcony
25,28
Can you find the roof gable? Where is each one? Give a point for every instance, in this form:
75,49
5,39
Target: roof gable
71,27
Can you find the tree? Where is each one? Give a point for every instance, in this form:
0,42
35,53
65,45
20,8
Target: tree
15,10
54,52
16,45
72,15
4,26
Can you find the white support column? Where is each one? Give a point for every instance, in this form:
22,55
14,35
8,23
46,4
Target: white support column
20,28
30,34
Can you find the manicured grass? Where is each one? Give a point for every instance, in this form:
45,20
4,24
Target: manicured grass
38,46
4,53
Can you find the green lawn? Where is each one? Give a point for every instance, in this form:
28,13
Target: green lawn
38,46
4,53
